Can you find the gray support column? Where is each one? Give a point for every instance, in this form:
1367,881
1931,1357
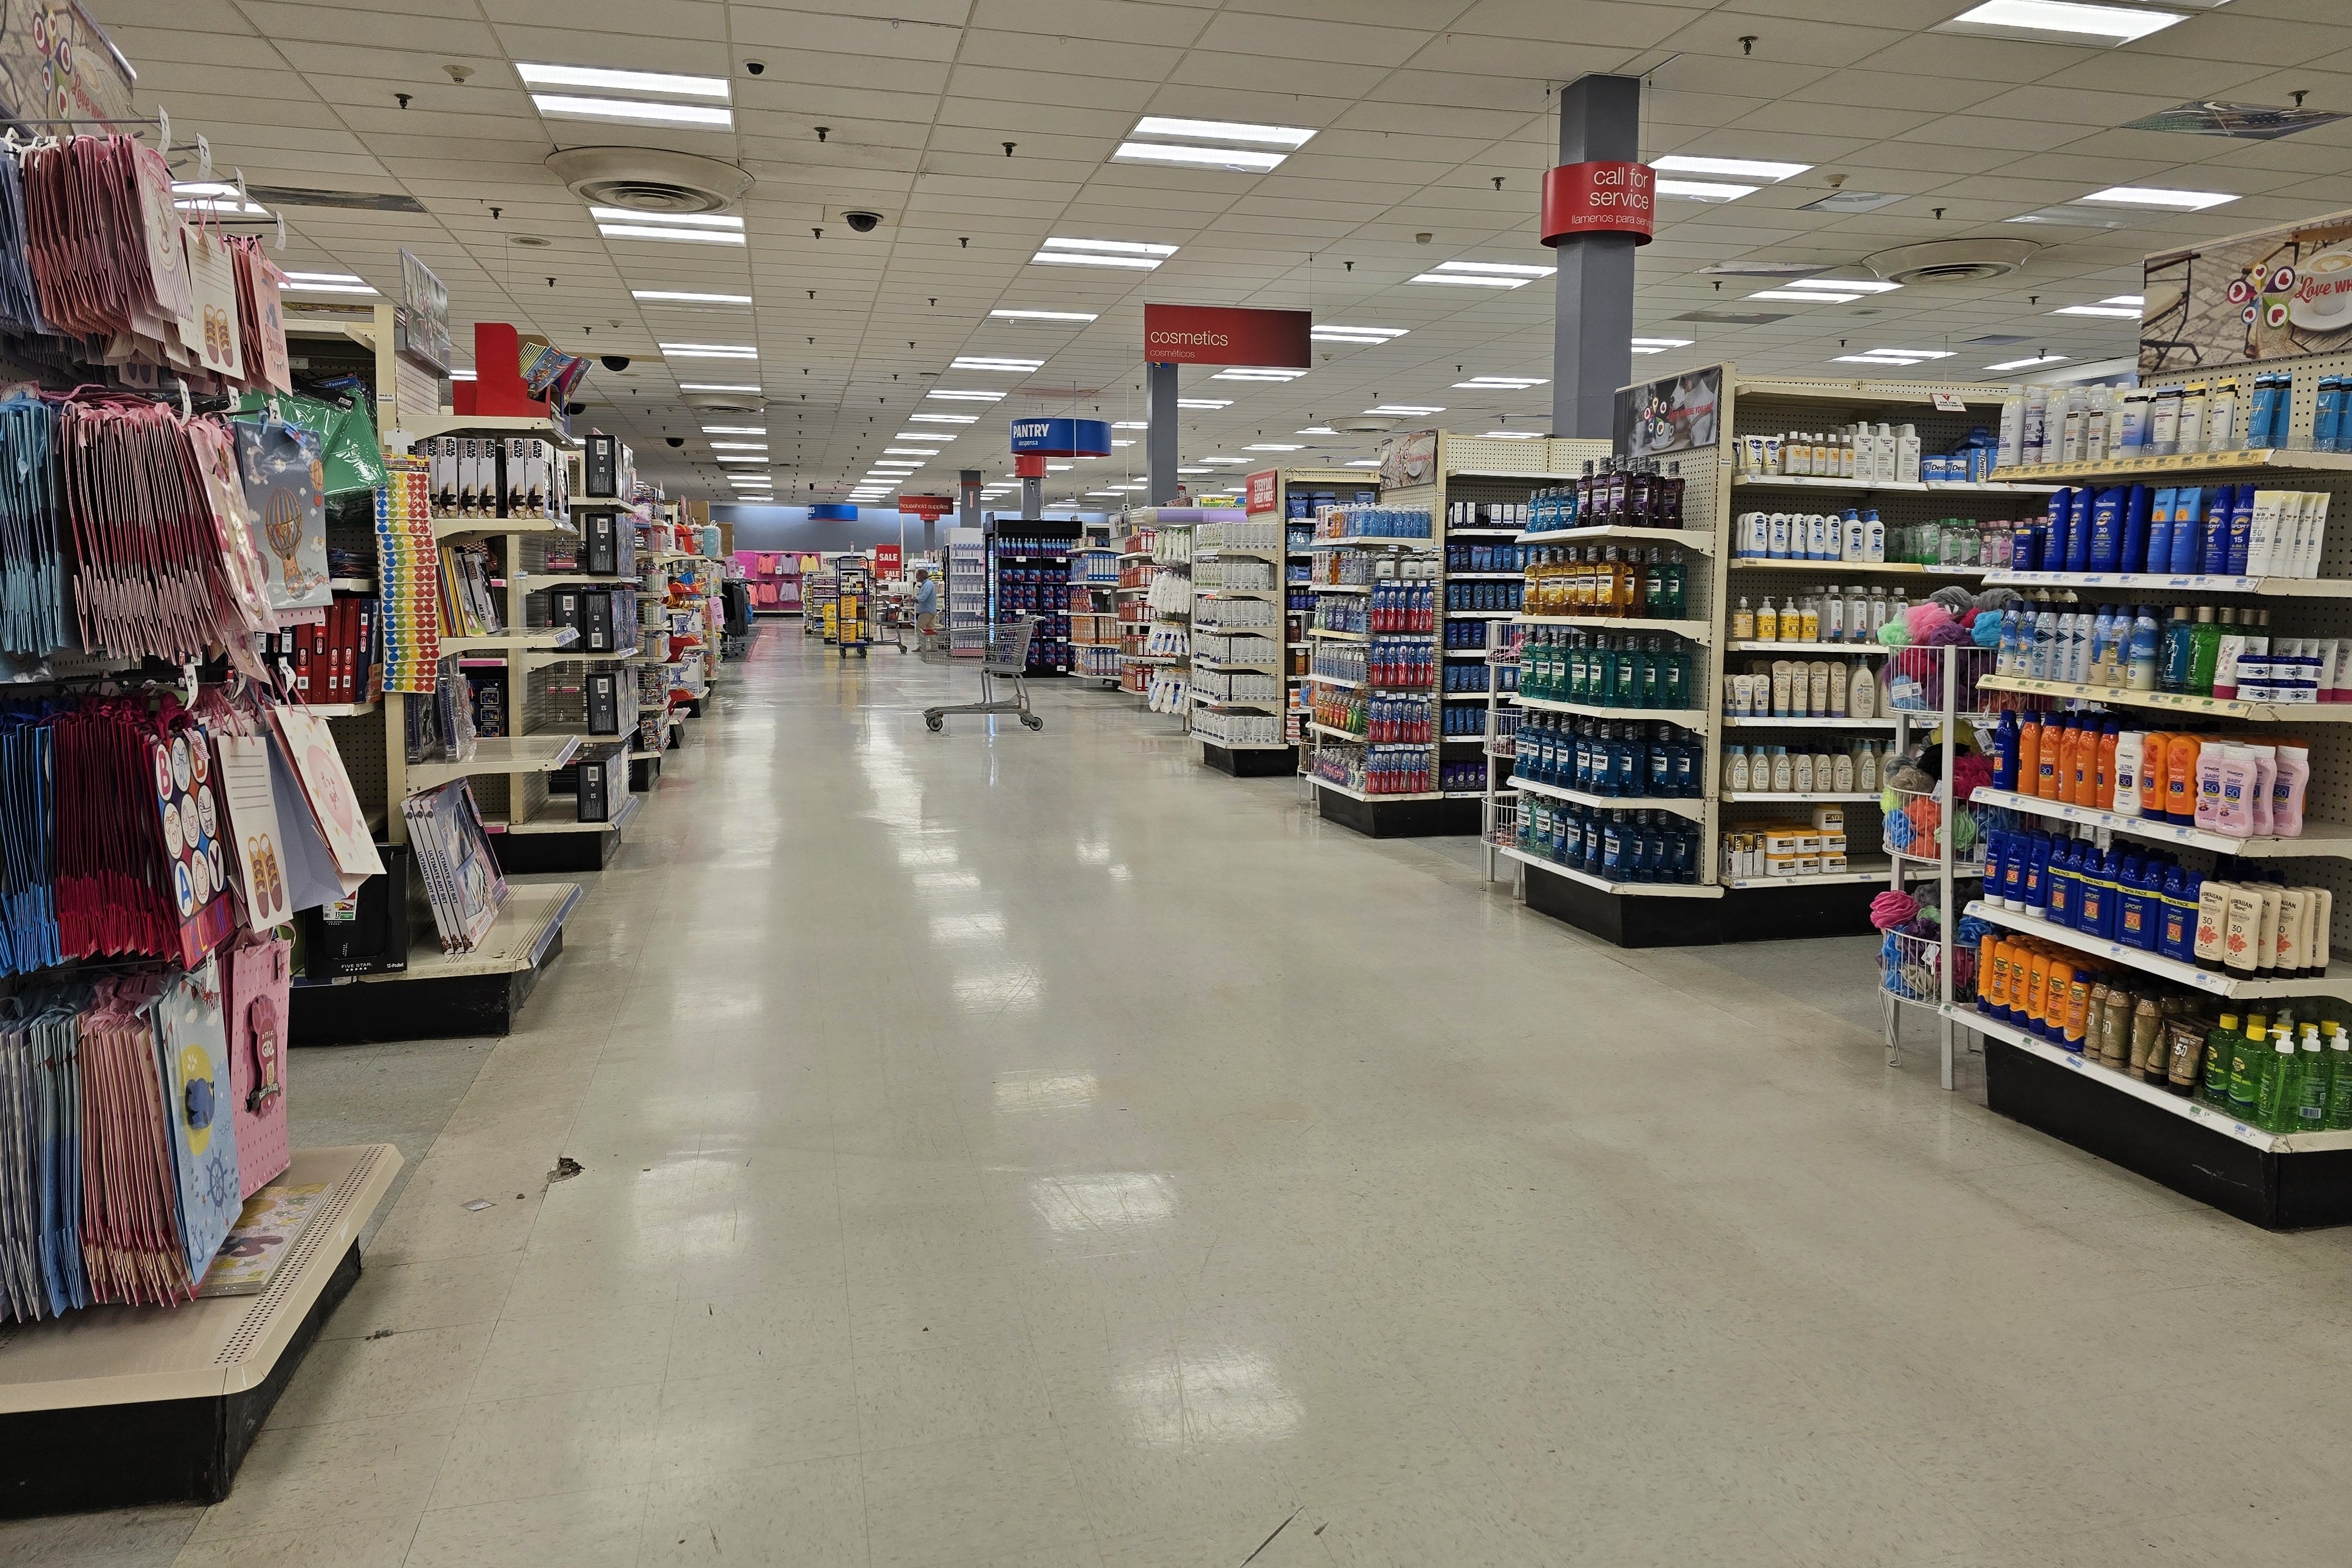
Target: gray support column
967,507
1592,329
931,535
1161,413
1033,499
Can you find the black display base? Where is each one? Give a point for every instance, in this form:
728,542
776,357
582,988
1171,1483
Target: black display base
644,773
1628,922
159,1450
1771,914
1400,818
2275,1191
424,1007
692,707
1252,762
588,849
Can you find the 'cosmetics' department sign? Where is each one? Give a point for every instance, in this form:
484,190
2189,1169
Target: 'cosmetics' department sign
1225,334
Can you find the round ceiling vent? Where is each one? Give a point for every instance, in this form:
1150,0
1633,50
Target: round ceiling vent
1363,425
723,402
649,179
1951,260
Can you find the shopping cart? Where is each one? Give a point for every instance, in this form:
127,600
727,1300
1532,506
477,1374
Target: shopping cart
1006,657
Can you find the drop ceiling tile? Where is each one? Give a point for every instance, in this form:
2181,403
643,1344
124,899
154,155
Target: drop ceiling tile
1856,122
1025,86
195,15
1175,27
704,19
1888,89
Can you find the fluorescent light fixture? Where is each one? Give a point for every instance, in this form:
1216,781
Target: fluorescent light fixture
535,75
1252,373
1404,408
946,396
1113,494
1914,353
739,457
1238,160
1334,333
1504,383
1074,258
633,111
1058,467
2027,365
1746,168
1129,425
1042,316
1498,268
1513,436
914,450
1291,136
1882,361
679,296
1804,297
1316,430
921,435
1119,442
1702,191
648,231
1849,285
718,386
734,430
1204,403
710,351
1362,462
739,446
681,220
1655,343
2060,22
2153,196
1276,446
325,283
2134,300
1132,254
984,362
1649,349
1226,462
2119,312
461,375
943,419
1196,470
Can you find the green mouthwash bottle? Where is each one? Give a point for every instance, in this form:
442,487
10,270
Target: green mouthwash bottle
2246,1069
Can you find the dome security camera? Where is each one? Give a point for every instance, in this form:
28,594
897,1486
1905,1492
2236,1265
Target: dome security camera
755,67
617,362
863,222
675,440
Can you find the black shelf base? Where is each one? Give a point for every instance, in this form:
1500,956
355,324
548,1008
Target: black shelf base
2275,1191
1249,762
1400,818
1772,914
644,773
1626,922
589,849
446,1006
153,1451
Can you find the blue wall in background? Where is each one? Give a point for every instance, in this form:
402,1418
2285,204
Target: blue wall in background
790,527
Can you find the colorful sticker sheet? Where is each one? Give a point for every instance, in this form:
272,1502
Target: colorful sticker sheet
408,578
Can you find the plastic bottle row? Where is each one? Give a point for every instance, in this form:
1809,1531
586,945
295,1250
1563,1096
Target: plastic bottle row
1611,843
2216,530
1865,452
1631,491
1378,770
1480,595
1468,677
2243,785
1462,637
1373,717
1776,770
1855,536
2090,424
2225,653
1481,555
1610,757
1831,614
1797,688
1464,721
1608,669
1373,522
1610,580
1400,606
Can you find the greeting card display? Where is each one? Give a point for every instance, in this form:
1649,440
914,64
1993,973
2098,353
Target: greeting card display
284,497
316,763
192,1062
259,970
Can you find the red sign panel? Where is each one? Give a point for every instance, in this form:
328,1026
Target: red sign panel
1227,335
1599,199
930,508
889,560
1260,495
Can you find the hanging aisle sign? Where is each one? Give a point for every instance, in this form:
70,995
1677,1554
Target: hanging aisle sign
1227,335
1061,437
1598,198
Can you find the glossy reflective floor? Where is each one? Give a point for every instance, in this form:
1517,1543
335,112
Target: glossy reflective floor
1036,1151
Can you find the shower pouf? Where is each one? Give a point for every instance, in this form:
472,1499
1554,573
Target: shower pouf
1891,909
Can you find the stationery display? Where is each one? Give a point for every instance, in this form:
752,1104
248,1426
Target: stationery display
454,856
470,605
332,660
408,578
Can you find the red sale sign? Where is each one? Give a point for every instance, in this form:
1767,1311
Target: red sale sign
1598,198
1225,334
1259,496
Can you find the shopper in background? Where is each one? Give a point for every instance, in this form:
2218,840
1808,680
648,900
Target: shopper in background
927,609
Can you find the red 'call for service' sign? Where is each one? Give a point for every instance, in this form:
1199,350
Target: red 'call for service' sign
1225,334
1599,199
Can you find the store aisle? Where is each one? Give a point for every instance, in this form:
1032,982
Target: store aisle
1031,1149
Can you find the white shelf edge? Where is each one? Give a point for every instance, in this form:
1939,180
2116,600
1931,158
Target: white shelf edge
1625,889
2331,840
2332,983
1694,808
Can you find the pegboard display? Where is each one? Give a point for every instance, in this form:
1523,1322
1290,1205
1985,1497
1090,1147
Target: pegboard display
359,738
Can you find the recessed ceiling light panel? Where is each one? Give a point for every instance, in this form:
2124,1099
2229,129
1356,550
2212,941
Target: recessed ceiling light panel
1742,168
2060,22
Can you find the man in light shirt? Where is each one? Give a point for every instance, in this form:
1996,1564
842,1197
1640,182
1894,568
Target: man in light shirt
927,609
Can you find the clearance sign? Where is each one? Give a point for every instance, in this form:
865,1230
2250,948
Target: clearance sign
1598,198
1225,334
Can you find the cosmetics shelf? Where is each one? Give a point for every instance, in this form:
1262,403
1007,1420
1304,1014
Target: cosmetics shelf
2153,583
2190,465
1699,541
1625,889
1680,805
2174,702
2331,984
2318,839
1697,719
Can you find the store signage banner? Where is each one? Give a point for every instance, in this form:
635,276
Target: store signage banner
930,508
1061,437
1676,414
1227,335
2269,295
1598,198
1262,490
1409,459
422,325
890,560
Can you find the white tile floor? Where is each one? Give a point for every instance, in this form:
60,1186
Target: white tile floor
1035,1150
